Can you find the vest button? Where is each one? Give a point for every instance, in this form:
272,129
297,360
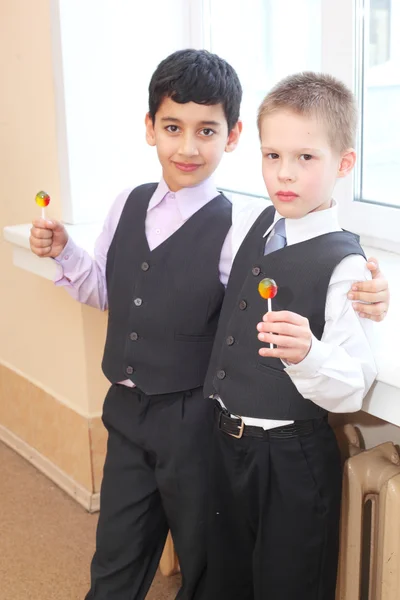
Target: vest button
145,266
221,374
134,336
243,305
256,271
129,370
138,302
230,340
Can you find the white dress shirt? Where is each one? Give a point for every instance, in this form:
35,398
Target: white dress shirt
340,368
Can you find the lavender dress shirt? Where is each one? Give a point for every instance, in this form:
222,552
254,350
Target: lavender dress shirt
84,276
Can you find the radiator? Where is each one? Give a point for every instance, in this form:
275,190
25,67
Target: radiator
369,563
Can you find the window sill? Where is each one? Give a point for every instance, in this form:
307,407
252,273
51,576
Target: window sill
383,400
18,236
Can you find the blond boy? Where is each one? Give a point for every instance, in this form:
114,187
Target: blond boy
276,481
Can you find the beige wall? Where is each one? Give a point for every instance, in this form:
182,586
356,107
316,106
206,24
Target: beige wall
41,329
50,347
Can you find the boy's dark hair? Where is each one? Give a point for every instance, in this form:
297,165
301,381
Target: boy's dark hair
196,76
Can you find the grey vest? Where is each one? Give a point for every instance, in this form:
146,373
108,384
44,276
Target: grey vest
164,304
251,385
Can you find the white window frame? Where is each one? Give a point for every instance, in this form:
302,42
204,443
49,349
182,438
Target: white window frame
378,225
199,24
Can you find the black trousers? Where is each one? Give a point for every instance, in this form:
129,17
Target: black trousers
155,478
274,517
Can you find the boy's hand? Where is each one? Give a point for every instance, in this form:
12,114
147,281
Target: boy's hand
287,330
375,291
48,238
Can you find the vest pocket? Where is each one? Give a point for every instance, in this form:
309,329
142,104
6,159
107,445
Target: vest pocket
272,371
187,337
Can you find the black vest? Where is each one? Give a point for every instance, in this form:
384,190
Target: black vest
251,385
164,304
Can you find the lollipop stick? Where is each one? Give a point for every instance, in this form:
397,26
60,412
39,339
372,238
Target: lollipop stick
43,213
269,310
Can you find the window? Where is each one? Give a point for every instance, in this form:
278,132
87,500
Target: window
105,52
379,94
344,27
379,32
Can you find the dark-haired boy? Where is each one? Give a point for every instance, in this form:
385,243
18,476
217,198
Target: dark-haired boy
160,267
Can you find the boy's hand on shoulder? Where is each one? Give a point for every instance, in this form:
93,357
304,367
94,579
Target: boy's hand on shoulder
48,238
289,331
375,292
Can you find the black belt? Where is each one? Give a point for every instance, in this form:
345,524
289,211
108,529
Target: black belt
235,427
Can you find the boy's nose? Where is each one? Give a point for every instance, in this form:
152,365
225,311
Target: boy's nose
188,146
285,173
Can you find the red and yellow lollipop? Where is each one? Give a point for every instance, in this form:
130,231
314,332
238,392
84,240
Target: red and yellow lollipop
268,289
42,199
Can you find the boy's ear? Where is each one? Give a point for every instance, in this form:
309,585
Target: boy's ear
233,137
347,162
150,135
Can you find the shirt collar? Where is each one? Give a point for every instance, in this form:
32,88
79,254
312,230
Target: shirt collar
188,200
312,225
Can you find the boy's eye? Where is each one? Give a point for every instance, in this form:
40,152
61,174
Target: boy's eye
272,155
207,132
172,128
305,156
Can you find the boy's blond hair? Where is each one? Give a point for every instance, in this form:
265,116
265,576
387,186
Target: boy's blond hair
319,95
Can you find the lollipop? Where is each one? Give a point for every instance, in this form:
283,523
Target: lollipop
268,289
42,199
